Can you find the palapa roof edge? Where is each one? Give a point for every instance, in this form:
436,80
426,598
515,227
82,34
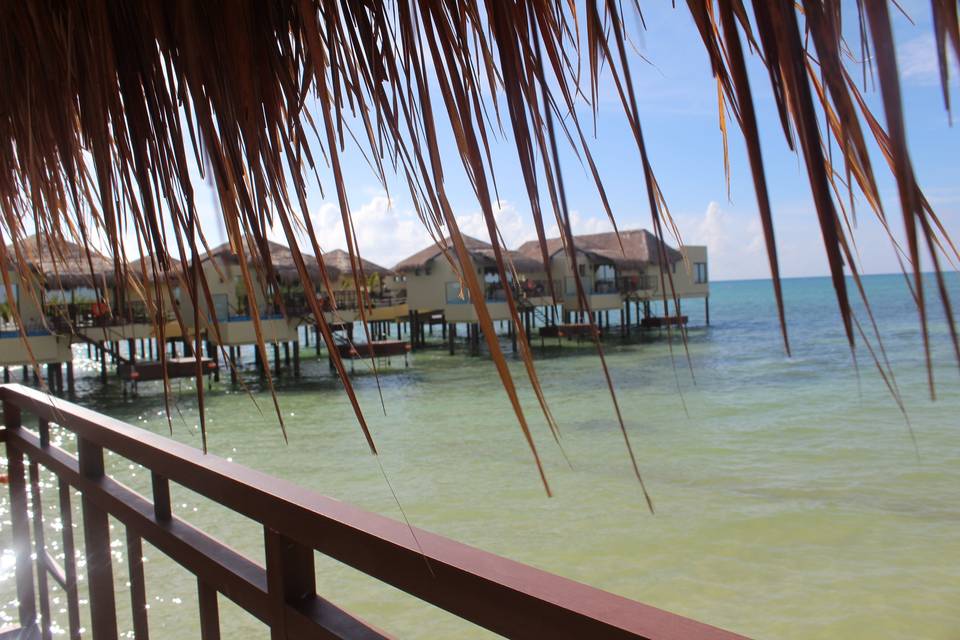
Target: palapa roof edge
480,250
640,248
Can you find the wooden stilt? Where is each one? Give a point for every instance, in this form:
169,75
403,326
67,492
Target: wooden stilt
71,383
233,364
296,359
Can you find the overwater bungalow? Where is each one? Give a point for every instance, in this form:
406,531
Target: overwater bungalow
433,283
42,345
614,276
384,292
280,311
81,295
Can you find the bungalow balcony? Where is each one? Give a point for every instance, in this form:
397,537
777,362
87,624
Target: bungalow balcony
603,293
101,322
44,344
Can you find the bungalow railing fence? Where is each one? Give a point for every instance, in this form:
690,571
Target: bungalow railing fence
501,595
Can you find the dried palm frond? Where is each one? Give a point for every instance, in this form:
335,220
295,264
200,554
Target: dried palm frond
109,108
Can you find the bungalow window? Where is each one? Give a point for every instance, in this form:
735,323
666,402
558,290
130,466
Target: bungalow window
605,278
7,305
583,270
701,272
493,287
454,292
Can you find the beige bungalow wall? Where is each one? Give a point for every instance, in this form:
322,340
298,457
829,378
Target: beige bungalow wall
27,302
683,274
376,314
565,284
428,292
223,280
49,348
45,348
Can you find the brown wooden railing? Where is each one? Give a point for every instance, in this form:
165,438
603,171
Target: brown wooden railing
503,596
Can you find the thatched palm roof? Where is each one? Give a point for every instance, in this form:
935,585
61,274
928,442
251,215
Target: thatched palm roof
281,261
481,253
639,249
338,261
63,264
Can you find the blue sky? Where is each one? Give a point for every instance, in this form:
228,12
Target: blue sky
677,100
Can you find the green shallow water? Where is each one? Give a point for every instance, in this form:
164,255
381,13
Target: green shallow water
791,500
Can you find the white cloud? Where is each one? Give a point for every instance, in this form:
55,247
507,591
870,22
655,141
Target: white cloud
918,62
582,224
734,241
515,228
385,234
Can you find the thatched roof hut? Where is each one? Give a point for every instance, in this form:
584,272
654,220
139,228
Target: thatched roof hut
640,249
480,252
338,260
64,265
144,264
281,259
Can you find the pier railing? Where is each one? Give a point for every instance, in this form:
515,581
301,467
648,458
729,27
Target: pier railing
503,596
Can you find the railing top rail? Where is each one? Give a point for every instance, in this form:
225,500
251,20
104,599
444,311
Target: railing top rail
504,596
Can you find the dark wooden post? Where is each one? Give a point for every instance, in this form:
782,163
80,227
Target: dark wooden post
296,358
291,578
452,336
71,383
69,560
138,590
233,364
209,611
20,523
103,365
96,533
706,309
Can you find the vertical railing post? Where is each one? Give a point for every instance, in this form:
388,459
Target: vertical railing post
96,532
20,522
40,550
290,577
209,611
39,541
138,590
69,561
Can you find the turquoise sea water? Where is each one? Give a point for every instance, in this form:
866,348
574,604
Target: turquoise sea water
791,499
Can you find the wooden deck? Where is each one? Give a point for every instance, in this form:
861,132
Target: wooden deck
185,367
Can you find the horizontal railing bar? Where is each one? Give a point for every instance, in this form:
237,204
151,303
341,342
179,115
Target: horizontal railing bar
55,570
504,596
229,572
